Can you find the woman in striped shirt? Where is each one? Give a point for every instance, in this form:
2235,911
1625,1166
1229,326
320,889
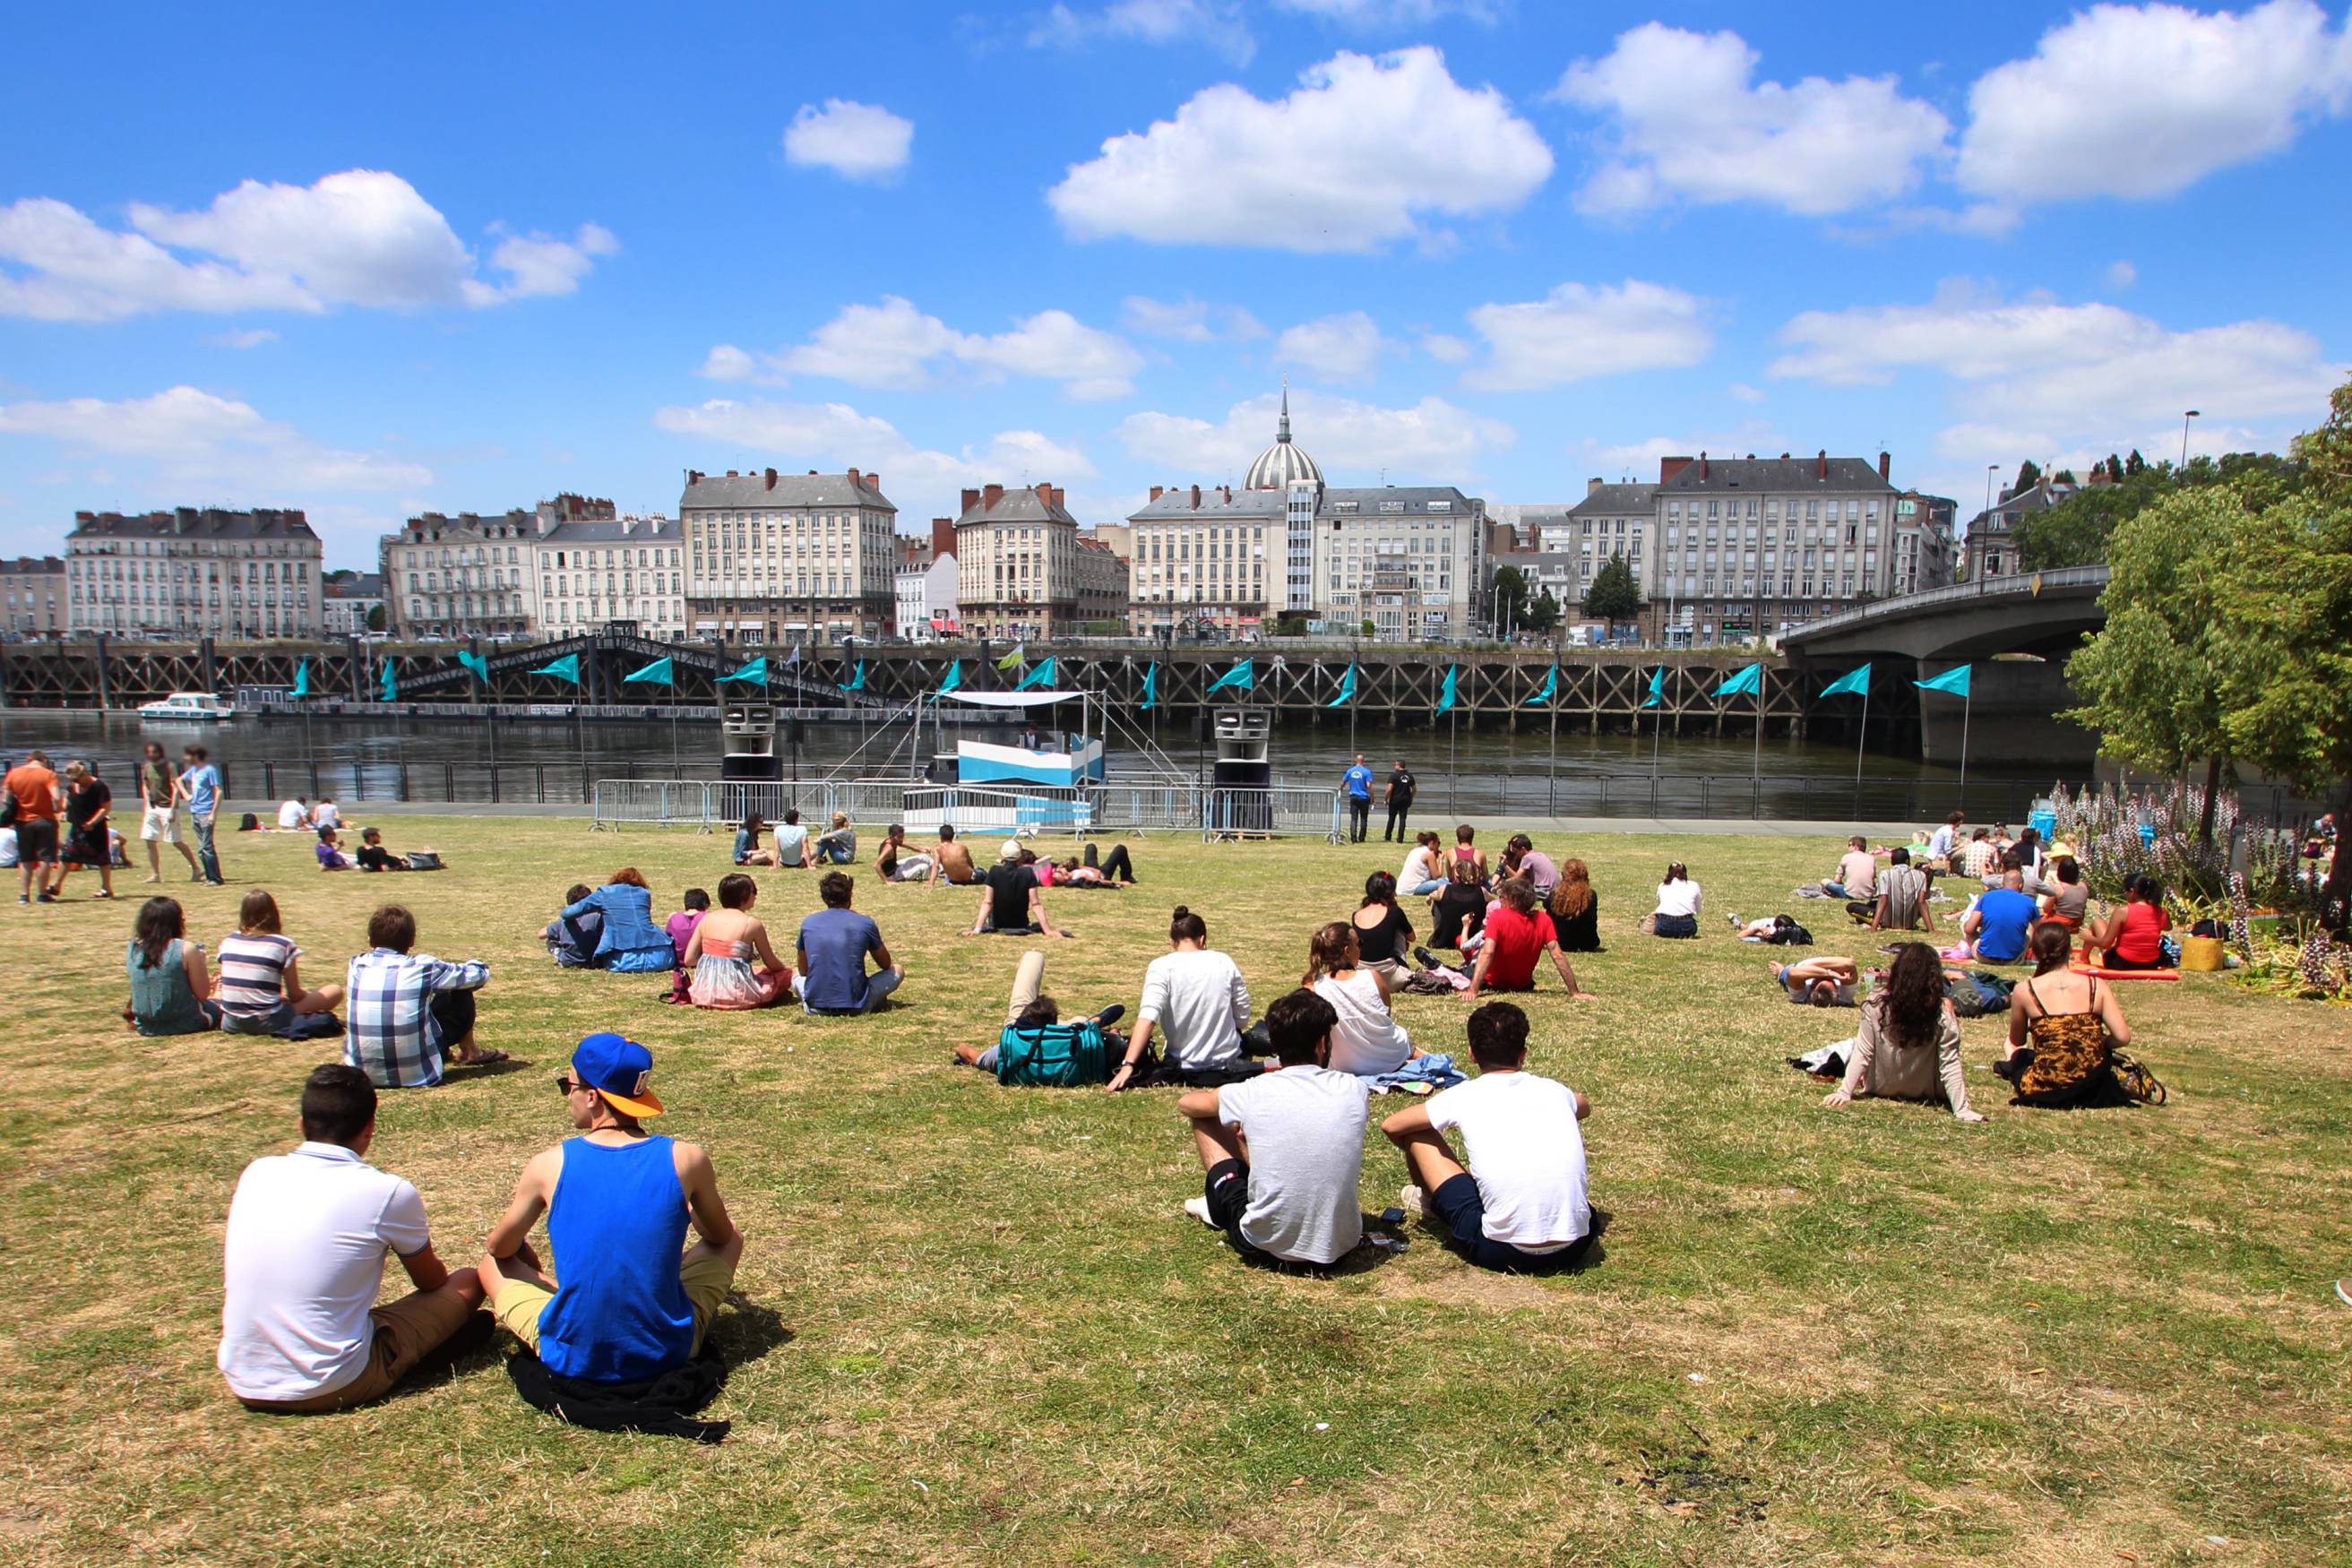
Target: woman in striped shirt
258,985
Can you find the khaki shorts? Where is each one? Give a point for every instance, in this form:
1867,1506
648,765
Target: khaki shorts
160,824
707,1278
406,1332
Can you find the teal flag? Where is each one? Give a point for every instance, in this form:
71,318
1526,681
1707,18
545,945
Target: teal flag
478,664
1550,690
954,680
1346,689
1747,682
1445,698
660,672
1657,687
1150,690
302,680
755,672
1855,684
1243,677
1041,675
1955,681
858,681
391,687
564,668
1018,657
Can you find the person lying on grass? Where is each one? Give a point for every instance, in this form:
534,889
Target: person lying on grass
1908,1047
1281,1152
301,1331
1824,980
628,1300
1520,1206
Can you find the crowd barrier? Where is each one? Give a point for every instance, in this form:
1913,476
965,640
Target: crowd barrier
1275,811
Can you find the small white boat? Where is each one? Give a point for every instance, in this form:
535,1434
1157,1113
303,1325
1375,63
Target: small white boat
188,708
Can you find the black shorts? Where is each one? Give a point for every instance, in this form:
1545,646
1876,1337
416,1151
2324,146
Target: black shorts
1464,1214
2114,960
37,841
1226,1183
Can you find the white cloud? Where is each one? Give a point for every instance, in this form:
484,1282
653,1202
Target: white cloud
1445,348
1216,25
1189,319
1431,437
361,238
1685,121
2066,371
191,440
2121,275
1358,157
893,344
1582,330
1745,392
856,141
250,338
922,483
2140,101
1343,347
1378,15
1640,458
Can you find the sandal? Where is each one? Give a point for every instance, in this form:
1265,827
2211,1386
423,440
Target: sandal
483,1059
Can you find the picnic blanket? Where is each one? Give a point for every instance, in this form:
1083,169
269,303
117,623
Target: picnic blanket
2080,968
1436,1070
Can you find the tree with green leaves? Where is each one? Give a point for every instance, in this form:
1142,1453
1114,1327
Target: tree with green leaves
376,618
1544,613
2134,464
2028,474
1511,599
1614,595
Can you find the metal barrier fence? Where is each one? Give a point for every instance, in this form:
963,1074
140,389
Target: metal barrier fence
1275,811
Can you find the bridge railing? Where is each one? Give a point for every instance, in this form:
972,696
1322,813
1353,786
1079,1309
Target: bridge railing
2023,584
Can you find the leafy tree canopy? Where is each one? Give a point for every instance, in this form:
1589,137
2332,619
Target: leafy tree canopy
1614,595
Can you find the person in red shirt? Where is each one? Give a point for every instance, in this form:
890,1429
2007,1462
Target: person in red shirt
2133,936
1517,934
36,789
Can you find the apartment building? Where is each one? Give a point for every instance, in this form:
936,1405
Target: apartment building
33,596
776,557
1752,546
1016,563
626,572
194,572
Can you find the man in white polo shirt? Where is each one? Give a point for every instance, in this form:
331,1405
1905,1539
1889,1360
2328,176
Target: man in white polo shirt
301,1331
1521,1207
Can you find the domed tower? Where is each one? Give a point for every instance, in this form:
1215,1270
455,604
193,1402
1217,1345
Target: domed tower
1285,463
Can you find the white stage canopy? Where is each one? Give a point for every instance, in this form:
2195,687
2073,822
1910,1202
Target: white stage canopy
1009,698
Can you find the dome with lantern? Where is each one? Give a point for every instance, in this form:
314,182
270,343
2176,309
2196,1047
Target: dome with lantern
1285,463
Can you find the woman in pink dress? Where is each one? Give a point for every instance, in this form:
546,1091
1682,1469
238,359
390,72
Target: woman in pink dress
721,955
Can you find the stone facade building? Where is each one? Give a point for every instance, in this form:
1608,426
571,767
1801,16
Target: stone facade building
194,572
627,572
1016,563
352,599
1752,546
33,596
473,575
781,558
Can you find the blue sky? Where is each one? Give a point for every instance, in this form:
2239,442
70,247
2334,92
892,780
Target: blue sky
372,264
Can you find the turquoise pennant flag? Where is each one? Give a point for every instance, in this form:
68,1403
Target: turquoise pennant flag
660,672
1041,675
564,668
855,682
1954,681
1855,684
478,664
754,673
1150,690
1445,698
1747,682
1550,690
1243,677
954,680
1346,689
391,685
1657,687
302,680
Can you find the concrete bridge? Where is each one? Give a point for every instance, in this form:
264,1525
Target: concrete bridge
2017,631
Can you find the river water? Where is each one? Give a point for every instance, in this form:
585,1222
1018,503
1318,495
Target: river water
1482,774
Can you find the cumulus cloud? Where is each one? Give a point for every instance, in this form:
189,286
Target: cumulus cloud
1432,437
2066,372
1343,347
856,141
186,440
1189,320
1640,458
2141,101
1446,349
362,237
1685,120
1388,15
1215,24
1360,156
250,338
2121,275
1580,331
893,344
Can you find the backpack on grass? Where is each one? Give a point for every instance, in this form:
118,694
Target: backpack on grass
1787,932
1053,1055
1979,992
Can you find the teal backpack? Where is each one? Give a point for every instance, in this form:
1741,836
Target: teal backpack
1053,1055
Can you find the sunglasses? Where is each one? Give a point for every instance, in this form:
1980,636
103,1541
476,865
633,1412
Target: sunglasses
565,1083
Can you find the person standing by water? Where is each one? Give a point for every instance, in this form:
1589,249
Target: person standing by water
160,798
1357,785
38,796
1399,797
199,784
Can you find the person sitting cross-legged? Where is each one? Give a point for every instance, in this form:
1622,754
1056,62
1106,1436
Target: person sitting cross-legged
1011,903
410,1013
1901,903
1283,1152
1194,1001
301,1331
2002,919
719,949
628,1300
833,948
1517,934
1521,1205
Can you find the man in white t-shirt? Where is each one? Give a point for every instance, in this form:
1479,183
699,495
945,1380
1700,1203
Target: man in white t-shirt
1284,1151
293,813
1521,1205
1857,873
325,814
301,1331
1195,1003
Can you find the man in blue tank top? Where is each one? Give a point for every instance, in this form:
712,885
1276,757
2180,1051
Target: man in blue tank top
628,1301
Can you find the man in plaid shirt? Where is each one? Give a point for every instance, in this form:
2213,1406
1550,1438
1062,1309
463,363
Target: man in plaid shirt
408,1011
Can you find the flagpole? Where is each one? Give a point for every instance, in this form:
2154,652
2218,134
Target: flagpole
1655,720
1551,784
1967,704
1861,739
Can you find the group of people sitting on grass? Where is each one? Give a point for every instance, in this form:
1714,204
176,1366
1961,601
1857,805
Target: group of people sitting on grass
794,846
408,1016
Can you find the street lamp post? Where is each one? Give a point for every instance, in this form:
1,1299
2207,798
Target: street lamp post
2184,418
1986,518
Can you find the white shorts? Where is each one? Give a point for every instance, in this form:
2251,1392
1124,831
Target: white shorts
158,823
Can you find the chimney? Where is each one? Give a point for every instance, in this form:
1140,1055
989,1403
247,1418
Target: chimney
1592,486
1702,465
1669,467
731,473
1045,493
990,495
942,537
1196,498
1229,495
855,481
874,483
1822,465
771,480
1881,464
1156,492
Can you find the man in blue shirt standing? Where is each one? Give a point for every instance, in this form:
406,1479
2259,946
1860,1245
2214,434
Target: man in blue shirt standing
834,944
1357,783
2002,919
204,782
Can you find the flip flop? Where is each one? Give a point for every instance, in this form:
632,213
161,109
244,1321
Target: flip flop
487,1058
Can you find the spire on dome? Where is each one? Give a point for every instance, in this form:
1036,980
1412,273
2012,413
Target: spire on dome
1282,428
1285,463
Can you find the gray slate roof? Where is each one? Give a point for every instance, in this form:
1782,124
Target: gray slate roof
187,522
1023,504
1615,499
1758,475
607,531
750,492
